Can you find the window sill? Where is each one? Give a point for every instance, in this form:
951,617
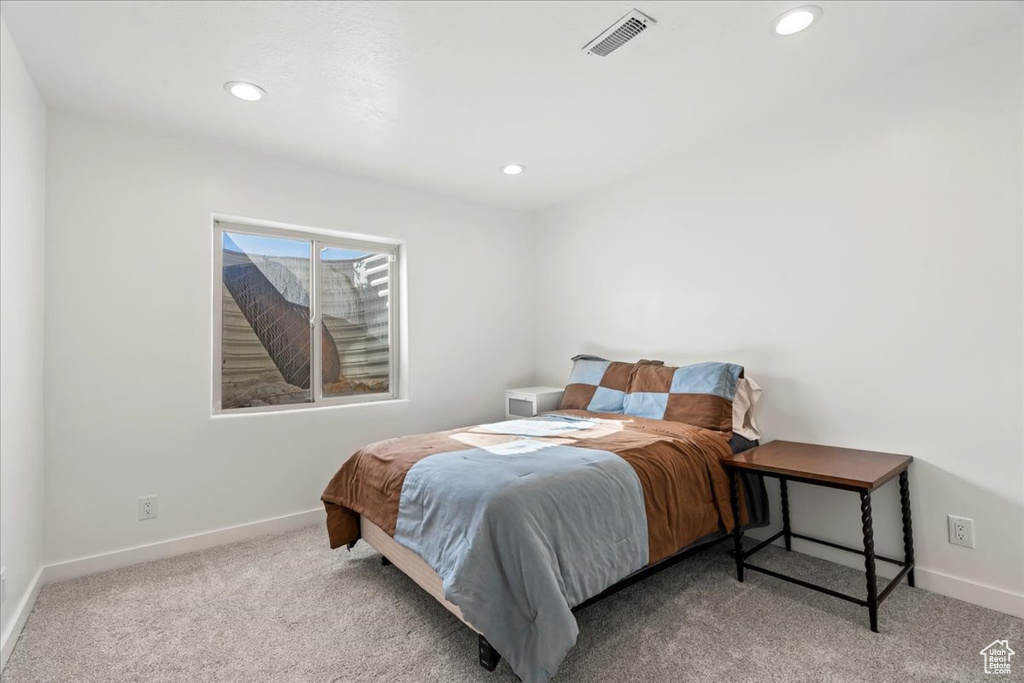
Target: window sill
301,408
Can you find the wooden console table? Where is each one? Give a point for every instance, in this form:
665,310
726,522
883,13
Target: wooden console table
839,468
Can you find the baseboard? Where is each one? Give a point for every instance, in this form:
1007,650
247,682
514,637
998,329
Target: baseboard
94,564
993,598
980,594
21,612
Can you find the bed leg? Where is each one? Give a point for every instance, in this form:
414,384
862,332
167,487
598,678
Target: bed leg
384,562
489,657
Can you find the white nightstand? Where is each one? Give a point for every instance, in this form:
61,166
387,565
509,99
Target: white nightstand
531,401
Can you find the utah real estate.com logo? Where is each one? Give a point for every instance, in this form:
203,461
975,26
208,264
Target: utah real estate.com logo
997,657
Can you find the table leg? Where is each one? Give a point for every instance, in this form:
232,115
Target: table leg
737,532
786,531
908,530
869,557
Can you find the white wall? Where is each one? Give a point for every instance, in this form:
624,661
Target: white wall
128,314
862,258
22,227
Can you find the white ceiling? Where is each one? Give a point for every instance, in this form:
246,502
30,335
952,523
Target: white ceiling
440,94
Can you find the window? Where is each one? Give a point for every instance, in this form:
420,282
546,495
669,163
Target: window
303,319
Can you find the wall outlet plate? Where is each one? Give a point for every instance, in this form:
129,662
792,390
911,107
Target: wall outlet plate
147,508
961,531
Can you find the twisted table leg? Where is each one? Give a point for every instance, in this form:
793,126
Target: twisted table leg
908,529
869,557
786,531
737,533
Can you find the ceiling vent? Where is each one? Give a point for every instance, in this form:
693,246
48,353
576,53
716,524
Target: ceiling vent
618,34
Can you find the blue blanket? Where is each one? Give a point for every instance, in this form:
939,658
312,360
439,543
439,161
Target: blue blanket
522,532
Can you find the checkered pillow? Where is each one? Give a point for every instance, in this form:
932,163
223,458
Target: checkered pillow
597,385
699,395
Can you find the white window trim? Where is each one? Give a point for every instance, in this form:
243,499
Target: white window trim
320,239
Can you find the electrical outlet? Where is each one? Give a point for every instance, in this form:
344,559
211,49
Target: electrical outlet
147,508
961,531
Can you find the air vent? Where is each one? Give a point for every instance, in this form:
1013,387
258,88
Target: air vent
618,34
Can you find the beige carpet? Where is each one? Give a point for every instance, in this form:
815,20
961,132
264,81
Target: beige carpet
285,608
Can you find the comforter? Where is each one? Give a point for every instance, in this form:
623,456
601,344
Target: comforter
525,519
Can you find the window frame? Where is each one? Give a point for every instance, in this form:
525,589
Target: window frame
318,239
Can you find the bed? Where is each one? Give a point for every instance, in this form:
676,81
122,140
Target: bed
513,526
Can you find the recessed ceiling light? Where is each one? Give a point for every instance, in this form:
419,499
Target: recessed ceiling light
245,91
513,169
795,20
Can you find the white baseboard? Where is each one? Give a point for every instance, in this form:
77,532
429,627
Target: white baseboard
94,564
993,598
21,612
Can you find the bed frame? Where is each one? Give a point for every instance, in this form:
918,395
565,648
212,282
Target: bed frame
413,566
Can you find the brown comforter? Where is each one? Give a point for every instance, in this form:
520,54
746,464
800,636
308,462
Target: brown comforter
685,488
